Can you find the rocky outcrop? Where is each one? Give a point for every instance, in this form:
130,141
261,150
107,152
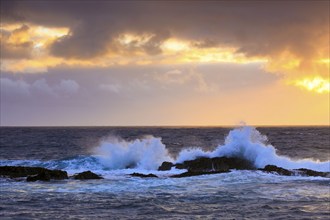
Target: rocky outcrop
216,164
277,170
144,175
19,171
33,173
189,173
295,172
42,176
87,175
166,166
204,165
307,172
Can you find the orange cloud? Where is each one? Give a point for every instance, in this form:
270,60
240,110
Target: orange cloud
31,43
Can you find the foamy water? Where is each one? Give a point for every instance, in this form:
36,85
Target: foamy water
238,194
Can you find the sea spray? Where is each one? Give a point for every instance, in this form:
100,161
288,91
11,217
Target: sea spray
247,143
149,152
146,153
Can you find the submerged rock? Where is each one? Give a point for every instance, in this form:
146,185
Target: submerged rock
34,173
144,175
165,166
87,175
217,164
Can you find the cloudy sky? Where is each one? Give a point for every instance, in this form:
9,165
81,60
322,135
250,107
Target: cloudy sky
164,62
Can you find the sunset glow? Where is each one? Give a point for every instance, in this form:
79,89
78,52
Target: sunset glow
164,60
316,84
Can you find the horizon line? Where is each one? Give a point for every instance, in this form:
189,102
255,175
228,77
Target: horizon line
169,126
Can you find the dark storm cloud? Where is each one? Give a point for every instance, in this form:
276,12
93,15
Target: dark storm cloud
257,28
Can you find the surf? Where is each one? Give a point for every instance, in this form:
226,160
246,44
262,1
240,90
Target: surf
149,152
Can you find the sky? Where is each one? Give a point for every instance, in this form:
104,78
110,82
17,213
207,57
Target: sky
164,63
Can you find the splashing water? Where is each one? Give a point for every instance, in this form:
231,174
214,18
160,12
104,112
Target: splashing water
244,142
247,143
147,153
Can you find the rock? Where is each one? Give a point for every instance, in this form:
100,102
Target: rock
189,173
278,170
236,163
166,166
180,166
43,176
19,171
33,172
87,175
144,175
57,174
296,172
307,172
218,164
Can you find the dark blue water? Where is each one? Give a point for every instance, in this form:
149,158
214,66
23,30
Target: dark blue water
105,150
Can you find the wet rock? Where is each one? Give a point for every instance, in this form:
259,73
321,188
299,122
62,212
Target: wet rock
87,175
180,166
144,175
236,163
278,170
166,166
32,172
19,171
197,173
308,172
217,164
296,172
43,176
57,174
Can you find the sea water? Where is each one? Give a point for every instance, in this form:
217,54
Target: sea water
116,152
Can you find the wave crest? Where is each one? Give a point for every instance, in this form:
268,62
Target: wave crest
247,143
147,153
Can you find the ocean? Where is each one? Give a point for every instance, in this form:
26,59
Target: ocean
116,152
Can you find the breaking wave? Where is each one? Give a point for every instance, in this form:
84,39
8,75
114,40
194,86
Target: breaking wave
149,152
247,143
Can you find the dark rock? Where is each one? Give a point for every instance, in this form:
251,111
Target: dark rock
37,172
218,164
307,172
278,170
57,174
43,176
144,175
296,172
19,171
236,163
166,166
189,173
180,166
87,175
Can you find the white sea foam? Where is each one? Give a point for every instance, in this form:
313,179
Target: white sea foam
246,142
147,153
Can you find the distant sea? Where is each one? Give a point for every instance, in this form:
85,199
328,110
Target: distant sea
115,152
